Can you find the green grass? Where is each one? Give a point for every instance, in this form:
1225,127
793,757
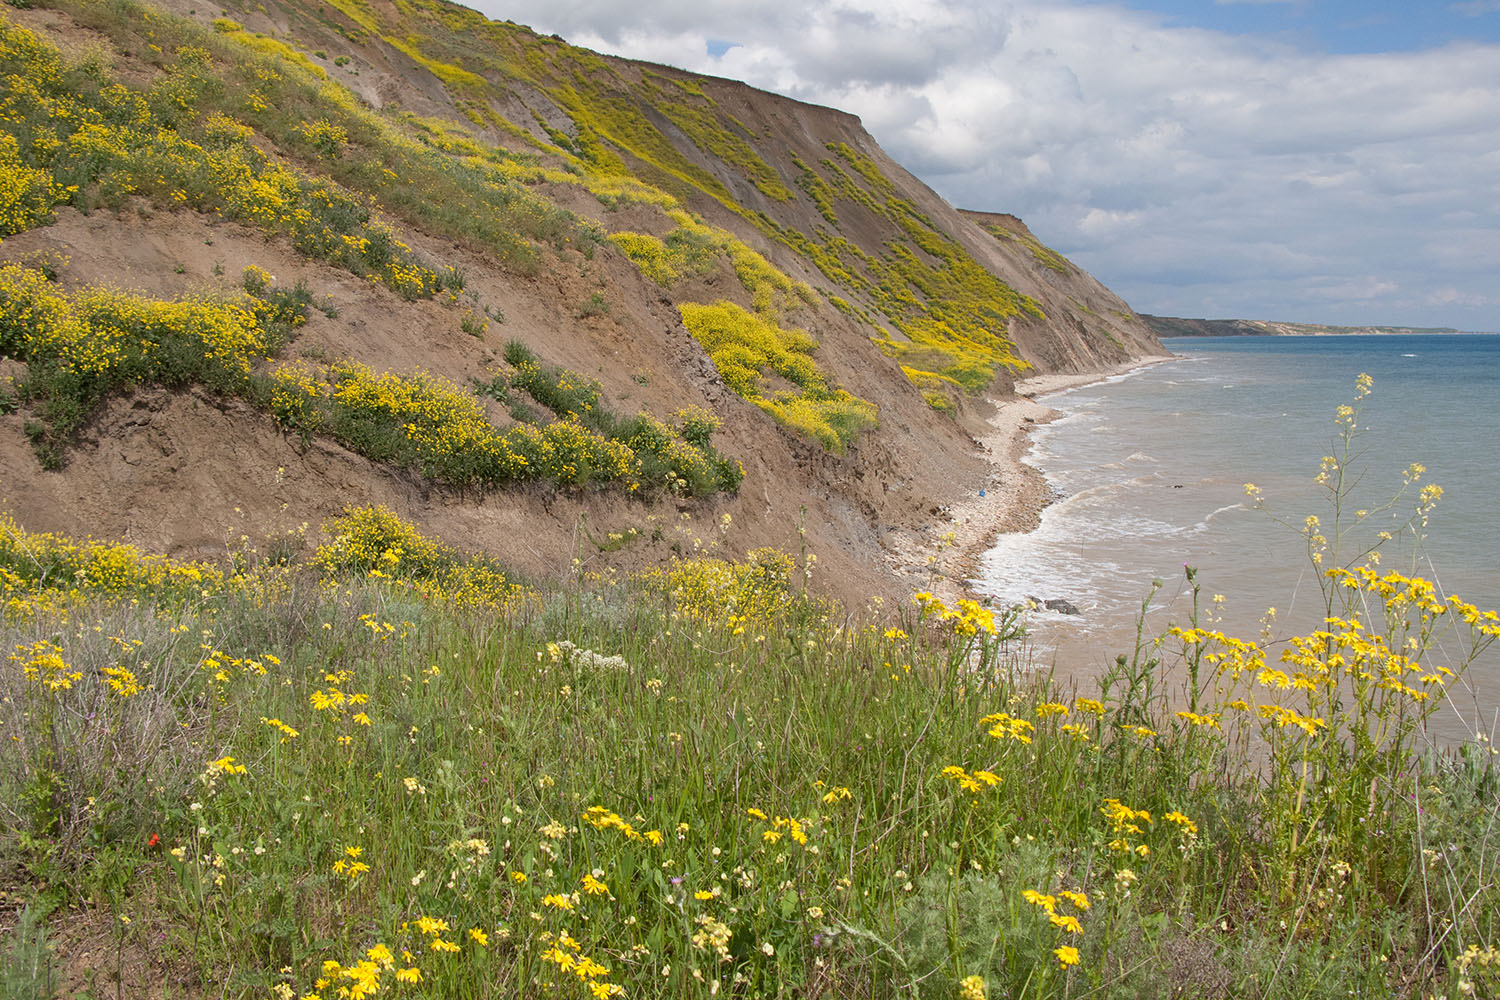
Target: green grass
394,757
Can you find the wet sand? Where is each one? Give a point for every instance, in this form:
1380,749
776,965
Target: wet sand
1014,493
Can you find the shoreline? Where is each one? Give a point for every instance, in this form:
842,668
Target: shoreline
1015,492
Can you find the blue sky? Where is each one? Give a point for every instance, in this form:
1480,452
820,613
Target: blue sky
1307,160
1339,26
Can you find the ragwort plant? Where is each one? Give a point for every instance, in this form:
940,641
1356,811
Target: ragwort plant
79,349
1341,710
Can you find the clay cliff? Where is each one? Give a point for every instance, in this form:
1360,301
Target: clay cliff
266,261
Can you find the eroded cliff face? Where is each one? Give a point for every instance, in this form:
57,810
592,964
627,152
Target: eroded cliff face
677,241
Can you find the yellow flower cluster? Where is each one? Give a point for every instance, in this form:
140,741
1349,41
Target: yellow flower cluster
601,818
26,193
775,828
754,592
42,663
1067,922
104,336
79,348
972,783
568,955
967,618
745,347
1005,727
375,541
428,421
40,571
1124,822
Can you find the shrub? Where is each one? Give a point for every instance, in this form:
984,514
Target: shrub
746,348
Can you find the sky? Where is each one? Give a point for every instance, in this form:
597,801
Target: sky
1324,161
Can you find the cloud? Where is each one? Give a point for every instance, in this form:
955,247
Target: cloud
1185,167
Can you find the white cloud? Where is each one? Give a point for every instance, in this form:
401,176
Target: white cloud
1186,168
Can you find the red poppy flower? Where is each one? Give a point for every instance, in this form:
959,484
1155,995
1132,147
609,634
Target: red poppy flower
153,841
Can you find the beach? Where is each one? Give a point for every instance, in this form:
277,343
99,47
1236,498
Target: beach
1013,494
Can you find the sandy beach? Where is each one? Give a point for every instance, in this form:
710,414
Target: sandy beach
1013,494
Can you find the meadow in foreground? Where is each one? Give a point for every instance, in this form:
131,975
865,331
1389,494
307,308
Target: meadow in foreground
388,769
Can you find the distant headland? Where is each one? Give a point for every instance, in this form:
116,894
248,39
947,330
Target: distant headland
1174,326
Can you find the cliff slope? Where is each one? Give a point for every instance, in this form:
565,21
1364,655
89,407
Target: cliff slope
266,261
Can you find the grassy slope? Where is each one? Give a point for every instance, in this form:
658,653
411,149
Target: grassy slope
419,776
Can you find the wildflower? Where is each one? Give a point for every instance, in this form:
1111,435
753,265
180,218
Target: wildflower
1046,902
594,887
1006,727
971,988
1078,899
431,925
1067,922
438,944
122,682
412,974
1066,955
1212,721
226,765
1188,826
961,776
287,732
479,937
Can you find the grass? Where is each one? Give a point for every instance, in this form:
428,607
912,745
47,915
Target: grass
1042,254
394,769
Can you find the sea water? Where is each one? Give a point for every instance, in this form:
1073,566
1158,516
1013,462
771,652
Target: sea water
1148,470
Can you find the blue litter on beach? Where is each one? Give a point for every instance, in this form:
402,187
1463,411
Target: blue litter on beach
981,492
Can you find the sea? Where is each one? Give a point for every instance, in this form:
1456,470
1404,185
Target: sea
1147,472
